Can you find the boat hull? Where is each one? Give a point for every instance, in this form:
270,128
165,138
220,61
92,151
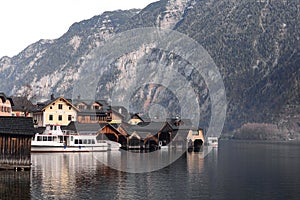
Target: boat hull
56,149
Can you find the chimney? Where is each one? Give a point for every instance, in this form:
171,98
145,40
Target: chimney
52,96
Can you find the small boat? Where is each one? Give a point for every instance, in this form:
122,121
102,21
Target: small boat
212,141
53,139
113,146
163,147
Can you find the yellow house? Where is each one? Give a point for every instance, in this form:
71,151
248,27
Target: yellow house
195,139
6,104
135,119
57,111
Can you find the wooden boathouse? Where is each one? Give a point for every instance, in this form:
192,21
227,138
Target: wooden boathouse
15,142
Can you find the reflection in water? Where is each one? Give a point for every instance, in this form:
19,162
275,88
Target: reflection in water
195,162
14,184
235,170
140,162
60,174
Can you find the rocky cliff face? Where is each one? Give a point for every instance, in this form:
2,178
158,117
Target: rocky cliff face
255,44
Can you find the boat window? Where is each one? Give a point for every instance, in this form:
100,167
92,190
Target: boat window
54,128
55,139
76,141
80,141
84,141
93,141
72,138
50,138
39,138
89,141
44,138
61,139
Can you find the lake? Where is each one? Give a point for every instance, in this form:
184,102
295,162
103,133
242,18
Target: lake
235,170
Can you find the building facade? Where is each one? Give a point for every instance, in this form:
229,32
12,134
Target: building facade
6,104
93,112
57,111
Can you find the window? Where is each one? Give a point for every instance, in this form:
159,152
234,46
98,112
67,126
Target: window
70,117
51,107
59,117
50,138
81,107
93,118
50,117
70,107
60,106
39,138
44,138
76,141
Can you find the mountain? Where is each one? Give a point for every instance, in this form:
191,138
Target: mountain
255,45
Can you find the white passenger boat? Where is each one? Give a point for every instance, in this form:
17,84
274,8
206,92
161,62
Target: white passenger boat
113,146
53,139
213,141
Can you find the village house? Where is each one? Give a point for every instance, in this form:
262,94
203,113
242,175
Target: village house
182,128
111,132
15,142
147,135
62,111
59,111
22,107
6,104
135,119
195,139
119,114
92,112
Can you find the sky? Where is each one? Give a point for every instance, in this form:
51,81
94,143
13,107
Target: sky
23,22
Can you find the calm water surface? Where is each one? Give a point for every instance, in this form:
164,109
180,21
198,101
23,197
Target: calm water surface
236,170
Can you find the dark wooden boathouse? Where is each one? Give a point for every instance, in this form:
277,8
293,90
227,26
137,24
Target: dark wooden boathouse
15,142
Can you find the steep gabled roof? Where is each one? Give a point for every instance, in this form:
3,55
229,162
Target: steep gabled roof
144,129
48,103
17,126
4,98
182,124
136,116
111,126
121,111
88,102
22,104
82,128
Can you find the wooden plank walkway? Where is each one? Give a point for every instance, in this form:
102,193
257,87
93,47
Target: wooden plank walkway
14,167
